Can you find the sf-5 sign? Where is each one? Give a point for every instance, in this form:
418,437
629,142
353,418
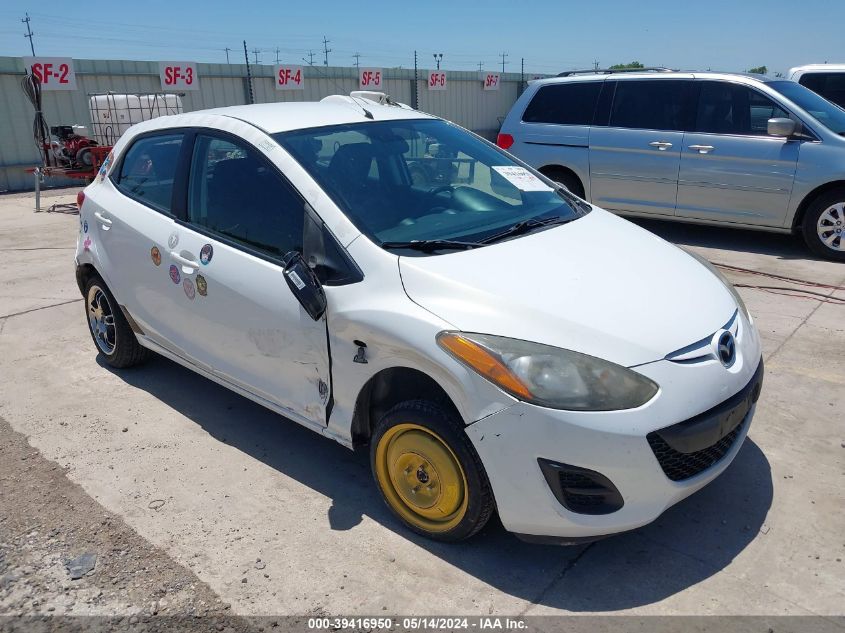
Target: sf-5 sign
289,78
181,75
53,73
370,78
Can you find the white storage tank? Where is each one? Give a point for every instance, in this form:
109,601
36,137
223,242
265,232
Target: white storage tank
113,114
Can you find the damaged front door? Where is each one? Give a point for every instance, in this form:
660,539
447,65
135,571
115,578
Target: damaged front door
240,317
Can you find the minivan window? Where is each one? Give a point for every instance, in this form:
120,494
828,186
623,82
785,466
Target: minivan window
234,192
727,108
564,104
149,168
829,85
828,114
423,179
656,104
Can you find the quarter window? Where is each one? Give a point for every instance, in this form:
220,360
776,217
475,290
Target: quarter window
726,108
236,194
149,168
657,104
564,104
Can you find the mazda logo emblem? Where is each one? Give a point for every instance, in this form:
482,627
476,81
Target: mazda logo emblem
726,348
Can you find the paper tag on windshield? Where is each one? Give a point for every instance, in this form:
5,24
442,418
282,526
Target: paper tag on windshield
522,179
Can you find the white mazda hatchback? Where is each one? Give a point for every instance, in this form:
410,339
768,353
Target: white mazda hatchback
390,280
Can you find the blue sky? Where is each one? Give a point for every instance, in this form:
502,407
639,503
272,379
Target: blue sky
550,35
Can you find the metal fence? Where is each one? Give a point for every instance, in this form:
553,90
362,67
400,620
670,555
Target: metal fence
464,101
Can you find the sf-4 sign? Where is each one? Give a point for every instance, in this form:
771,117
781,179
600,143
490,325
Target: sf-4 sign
53,73
437,80
289,78
181,75
370,78
491,81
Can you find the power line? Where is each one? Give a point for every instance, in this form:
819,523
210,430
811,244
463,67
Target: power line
326,51
357,57
310,59
29,33
503,55
255,52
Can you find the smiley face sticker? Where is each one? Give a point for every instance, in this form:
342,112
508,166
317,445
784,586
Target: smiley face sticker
202,286
206,254
188,287
175,277
87,243
155,255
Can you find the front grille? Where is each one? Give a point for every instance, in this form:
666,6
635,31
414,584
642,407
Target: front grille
679,466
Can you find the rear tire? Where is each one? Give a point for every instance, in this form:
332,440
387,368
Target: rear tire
823,226
428,472
109,328
566,178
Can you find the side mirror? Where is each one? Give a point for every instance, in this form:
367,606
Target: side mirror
780,126
304,285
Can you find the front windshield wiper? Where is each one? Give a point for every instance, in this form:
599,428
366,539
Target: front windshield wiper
431,245
524,227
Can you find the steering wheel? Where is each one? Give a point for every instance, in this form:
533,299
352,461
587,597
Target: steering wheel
441,188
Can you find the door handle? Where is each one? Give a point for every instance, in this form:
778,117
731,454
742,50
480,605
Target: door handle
186,263
702,149
106,222
661,145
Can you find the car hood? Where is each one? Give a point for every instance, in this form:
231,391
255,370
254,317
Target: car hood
599,285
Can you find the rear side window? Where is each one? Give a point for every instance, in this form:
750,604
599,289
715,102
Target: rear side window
149,168
726,108
651,104
234,192
829,85
564,104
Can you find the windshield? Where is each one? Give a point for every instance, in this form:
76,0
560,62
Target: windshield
424,180
828,114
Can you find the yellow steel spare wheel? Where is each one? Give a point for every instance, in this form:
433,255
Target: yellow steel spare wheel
421,477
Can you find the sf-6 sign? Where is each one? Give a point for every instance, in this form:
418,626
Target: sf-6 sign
289,78
370,78
181,75
437,80
53,73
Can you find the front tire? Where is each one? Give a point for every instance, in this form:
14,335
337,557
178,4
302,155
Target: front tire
109,328
429,473
824,225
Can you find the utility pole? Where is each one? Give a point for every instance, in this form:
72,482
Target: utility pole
326,51
357,57
248,75
479,66
310,59
227,49
255,52
438,57
521,75
277,55
415,104
503,55
29,33
596,64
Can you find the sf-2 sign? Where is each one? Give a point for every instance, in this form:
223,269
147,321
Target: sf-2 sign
437,80
370,78
53,73
491,81
289,78
181,75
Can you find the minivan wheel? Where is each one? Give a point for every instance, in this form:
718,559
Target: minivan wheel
824,225
429,473
110,330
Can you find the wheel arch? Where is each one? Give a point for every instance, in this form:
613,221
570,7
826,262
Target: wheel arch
552,169
84,272
810,198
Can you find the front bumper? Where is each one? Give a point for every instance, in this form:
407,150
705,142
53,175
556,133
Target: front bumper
655,455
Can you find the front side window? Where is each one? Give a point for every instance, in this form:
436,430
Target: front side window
651,104
828,114
423,179
726,108
234,192
564,104
149,168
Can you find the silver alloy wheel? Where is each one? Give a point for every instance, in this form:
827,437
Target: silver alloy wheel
101,320
831,227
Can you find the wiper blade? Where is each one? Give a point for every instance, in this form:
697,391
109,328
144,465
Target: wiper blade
431,245
525,226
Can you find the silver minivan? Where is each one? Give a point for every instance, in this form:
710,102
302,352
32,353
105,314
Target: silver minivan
709,148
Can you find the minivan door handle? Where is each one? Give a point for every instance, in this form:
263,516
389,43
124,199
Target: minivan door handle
661,145
702,149
106,222
188,265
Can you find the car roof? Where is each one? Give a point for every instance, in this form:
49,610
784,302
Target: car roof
816,67
661,75
283,117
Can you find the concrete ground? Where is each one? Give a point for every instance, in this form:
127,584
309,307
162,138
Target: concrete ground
215,482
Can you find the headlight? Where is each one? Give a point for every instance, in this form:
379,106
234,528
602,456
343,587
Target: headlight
549,376
739,302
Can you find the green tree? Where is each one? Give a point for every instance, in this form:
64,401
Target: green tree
759,70
626,66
